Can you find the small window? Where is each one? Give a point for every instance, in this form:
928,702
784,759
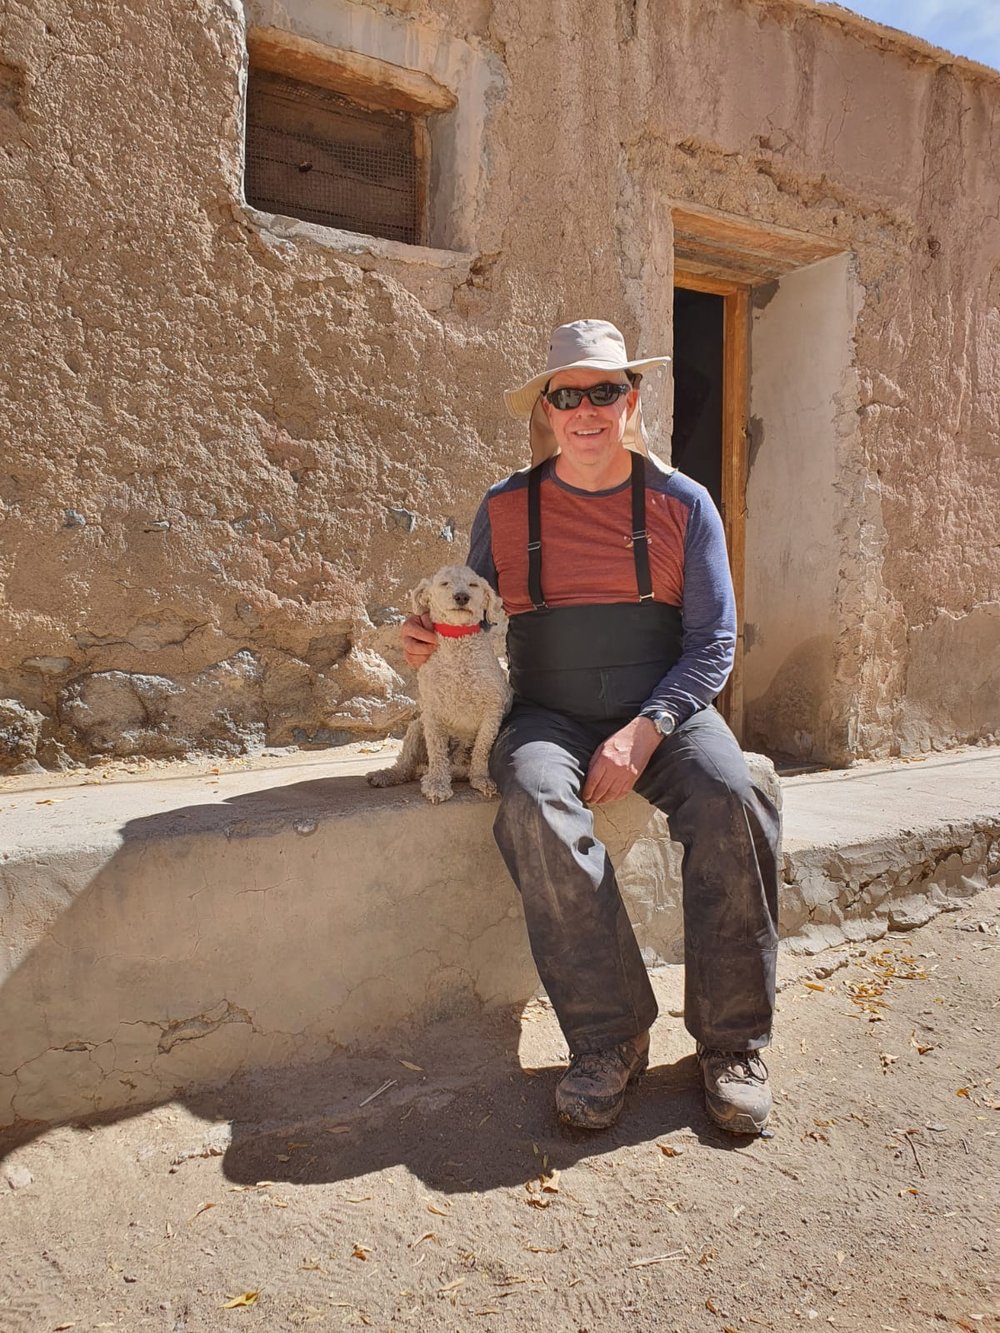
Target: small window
314,154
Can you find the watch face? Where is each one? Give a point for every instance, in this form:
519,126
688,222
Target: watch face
664,723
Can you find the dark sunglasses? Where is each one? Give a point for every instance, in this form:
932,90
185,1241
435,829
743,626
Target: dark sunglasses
600,395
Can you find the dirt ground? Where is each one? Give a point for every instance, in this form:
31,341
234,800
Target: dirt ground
427,1186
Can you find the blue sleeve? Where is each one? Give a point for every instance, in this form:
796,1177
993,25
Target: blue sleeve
480,556
708,618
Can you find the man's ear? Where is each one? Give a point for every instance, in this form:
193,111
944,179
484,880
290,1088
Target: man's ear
420,597
494,608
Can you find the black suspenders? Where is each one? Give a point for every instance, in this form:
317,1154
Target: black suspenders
640,538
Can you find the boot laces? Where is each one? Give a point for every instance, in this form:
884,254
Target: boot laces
739,1066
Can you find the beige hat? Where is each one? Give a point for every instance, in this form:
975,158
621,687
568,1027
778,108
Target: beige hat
586,344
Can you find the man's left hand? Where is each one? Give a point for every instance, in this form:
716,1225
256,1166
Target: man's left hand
617,765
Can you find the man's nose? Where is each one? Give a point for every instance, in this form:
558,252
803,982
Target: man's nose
461,598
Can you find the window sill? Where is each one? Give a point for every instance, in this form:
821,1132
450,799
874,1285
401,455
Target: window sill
278,227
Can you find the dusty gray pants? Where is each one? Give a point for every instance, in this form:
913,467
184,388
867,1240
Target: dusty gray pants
581,938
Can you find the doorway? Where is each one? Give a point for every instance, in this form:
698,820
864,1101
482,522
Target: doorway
696,442
709,441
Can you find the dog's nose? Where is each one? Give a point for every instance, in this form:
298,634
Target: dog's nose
461,598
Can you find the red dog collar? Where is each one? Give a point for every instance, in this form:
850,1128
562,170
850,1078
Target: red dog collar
456,631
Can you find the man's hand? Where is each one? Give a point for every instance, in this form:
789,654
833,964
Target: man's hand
616,766
418,639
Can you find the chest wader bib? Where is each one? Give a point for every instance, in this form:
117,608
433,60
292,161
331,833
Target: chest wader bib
597,662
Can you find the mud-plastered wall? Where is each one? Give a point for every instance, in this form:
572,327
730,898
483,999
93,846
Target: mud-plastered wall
229,446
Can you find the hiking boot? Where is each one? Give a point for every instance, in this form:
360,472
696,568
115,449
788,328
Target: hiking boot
737,1096
591,1093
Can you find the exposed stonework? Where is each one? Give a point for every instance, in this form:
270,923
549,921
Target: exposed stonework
19,732
235,440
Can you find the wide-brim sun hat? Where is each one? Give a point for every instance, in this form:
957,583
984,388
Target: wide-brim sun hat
586,344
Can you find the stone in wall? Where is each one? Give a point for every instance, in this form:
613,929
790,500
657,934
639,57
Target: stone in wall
19,733
235,706
124,713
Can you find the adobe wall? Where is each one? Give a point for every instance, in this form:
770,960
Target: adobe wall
229,448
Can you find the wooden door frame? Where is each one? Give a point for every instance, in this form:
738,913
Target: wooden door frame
735,421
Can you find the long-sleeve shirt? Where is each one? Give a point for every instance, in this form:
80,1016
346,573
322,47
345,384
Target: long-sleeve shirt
588,560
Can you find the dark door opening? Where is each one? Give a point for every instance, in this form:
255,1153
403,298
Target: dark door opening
696,444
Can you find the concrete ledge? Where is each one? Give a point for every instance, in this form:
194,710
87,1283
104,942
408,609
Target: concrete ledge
156,935
886,846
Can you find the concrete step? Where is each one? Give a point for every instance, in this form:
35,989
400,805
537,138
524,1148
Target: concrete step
159,934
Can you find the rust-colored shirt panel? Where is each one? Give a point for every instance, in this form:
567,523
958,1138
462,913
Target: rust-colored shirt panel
586,545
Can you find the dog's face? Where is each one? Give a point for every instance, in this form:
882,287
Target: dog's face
456,595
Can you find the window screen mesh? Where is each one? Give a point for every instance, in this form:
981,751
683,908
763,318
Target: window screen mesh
315,155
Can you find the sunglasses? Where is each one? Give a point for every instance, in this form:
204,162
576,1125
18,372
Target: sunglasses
600,395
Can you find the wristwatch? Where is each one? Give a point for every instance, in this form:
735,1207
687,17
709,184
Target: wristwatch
663,721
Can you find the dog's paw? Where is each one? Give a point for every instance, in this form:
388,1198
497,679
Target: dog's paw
435,791
485,786
383,777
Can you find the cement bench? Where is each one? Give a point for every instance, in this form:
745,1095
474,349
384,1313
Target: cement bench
158,935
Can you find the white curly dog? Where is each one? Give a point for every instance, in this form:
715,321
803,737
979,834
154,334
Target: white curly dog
462,689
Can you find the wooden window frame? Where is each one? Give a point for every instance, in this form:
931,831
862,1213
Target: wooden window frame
368,82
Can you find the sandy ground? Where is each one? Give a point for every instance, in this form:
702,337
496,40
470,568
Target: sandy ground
451,1200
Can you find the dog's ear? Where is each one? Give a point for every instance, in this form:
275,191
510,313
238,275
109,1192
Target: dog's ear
494,607
420,597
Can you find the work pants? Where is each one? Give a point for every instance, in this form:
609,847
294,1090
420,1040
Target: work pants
581,938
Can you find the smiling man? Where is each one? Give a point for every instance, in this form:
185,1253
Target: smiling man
613,570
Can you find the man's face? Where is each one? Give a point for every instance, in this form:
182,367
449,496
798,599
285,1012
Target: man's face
590,437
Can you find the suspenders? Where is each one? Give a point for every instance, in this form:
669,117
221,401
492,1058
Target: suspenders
640,538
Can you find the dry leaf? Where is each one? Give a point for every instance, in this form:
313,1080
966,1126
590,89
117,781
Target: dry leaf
814,985
310,1266
535,1202
433,1208
490,1309
417,1069
359,1252
450,1286
428,1235
278,1203
841,1256
711,1306
283,1157
962,1092
542,1249
60,1328
203,1209
248,1298
338,1129
292,1146
550,1183
669,1150
359,1198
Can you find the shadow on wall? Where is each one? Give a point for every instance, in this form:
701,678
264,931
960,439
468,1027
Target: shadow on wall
270,930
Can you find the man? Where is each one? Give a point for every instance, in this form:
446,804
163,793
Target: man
613,570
